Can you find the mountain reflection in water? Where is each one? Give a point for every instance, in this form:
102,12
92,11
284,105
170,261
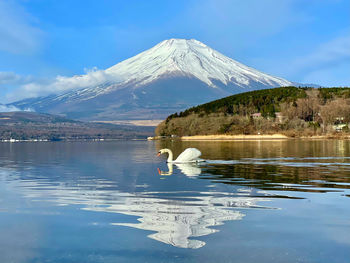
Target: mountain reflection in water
176,221
175,216
88,202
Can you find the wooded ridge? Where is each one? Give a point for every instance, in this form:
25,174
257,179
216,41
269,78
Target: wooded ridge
293,111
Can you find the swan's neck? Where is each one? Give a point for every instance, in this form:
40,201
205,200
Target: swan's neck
170,157
170,172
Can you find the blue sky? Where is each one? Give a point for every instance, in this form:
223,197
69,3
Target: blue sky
306,41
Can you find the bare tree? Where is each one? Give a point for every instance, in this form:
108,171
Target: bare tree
338,109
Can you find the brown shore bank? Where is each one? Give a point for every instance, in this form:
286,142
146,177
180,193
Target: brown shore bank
225,137
220,137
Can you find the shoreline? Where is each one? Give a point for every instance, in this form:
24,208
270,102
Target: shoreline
233,137
251,137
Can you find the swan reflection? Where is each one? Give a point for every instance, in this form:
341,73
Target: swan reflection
175,217
189,169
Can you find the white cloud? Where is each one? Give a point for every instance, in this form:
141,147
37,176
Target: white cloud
8,77
246,15
13,78
245,21
328,64
11,81
18,33
4,108
331,53
61,83
29,87
10,108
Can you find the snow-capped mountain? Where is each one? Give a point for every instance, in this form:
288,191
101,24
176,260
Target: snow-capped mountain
189,58
173,75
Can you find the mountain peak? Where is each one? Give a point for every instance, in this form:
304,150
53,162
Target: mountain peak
190,58
180,42
171,76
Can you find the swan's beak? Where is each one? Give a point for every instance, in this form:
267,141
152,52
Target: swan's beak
158,154
159,171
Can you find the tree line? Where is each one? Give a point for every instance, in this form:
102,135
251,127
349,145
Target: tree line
294,111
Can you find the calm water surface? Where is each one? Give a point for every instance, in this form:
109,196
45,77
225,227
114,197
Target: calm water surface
253,201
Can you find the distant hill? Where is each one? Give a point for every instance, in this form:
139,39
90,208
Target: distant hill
171,76
291,110
31,126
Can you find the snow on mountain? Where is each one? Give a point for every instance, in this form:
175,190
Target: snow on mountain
171,76
189,57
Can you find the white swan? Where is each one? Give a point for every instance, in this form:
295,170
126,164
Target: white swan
190,155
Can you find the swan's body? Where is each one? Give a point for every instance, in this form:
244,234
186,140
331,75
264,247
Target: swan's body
190,155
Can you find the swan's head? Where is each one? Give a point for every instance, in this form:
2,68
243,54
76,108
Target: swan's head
161,152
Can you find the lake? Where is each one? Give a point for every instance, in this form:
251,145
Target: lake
252,201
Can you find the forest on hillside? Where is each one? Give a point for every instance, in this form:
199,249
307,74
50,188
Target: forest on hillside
293,111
